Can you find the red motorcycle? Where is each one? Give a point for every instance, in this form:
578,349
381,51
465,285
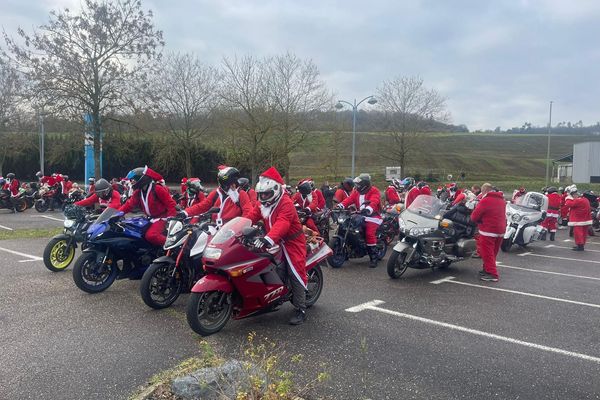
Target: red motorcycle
241,281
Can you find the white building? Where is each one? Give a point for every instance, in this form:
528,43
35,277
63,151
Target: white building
586,162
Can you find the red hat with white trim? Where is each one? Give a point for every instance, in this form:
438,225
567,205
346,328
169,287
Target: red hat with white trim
273,174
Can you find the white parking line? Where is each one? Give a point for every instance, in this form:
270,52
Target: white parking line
529,253
47,217
549,272
587,242
33,258
550,246
6,227
372,305
450,279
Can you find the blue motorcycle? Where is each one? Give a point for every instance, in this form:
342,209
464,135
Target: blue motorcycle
116,249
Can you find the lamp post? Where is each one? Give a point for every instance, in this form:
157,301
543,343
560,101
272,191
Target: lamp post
548,150
340,104
41,115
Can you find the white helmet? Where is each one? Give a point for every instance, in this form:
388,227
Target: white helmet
268,191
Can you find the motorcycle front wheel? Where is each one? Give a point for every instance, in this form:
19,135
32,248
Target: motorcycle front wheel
58,254
396,265
506,244
92,276
381,248
208,312
161,285
314,285
41,206
21,205
338,257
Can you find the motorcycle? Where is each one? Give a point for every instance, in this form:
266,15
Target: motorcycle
177,271
321,219
429,240
241,281
115,249
349,239
389,226
594,206
45,197
16,203
523,219
59,253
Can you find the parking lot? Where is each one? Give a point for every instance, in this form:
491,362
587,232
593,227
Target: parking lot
429,335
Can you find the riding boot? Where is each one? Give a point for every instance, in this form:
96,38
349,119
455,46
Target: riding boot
372,250
552,236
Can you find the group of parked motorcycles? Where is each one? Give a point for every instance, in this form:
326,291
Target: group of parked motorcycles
42,198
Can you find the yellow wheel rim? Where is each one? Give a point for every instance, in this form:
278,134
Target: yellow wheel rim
60,255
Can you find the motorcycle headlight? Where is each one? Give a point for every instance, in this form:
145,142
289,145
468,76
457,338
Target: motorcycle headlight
212,253
69,223
175,227
341,219
515,218
401,224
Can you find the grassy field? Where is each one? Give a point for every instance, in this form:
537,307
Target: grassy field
506,160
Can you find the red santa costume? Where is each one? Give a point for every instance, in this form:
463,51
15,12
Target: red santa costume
564,210
579,218
412,194
155,201
283,227
341,195
308,202
550,223
252,196
113,202
391,195
371,201
490,217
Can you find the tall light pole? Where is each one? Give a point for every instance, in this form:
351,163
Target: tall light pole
41,114
548,150
340,104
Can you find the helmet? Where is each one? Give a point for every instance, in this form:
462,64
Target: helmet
397,183
39,174
2,181
92,180
244,183
288,189
348,184
10,176
552,189
572,189
268,191
304,187
227,176
422,184
138,178
194,186
452,187
66,177
561,189
408,182
103,189
363,183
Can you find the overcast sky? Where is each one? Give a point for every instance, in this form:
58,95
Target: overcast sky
499,63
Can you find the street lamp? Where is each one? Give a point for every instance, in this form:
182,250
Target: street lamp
41,115
340,104
548,150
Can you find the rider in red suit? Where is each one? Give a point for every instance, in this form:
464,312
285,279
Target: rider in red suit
306,199
231,201
283,228
580,217
367,199
554,200
344,190
104,195
244,184
194,193
391,193
153,199
12,184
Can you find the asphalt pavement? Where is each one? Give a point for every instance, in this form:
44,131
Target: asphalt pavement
439,334
30,219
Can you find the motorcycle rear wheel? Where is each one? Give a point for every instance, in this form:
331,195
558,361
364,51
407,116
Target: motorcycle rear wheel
58,255
159,287
506,244
41,206
89,280
338,257
21,205
205,314
314,285
382,246
396,265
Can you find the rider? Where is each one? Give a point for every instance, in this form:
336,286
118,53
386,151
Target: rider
579,217
153,199
244,184
231,201
12,185
283,228
104,195
391,193
91,184
518,193
344,190
306,199
194,193
554,200
367,199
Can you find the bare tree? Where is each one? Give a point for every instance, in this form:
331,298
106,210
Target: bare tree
298,93
250,113
185,96
409,107
11,85
86,62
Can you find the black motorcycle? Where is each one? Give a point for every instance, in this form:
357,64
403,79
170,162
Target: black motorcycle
115,249
349,239
16,203
60,250
320,218
181,267
429,240
389,227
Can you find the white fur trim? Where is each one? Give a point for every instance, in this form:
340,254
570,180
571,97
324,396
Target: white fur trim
268,239
377,221
490,234
296,274
580,223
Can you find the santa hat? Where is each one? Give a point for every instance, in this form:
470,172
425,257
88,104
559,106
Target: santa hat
184,180
273,174
152,174
304,180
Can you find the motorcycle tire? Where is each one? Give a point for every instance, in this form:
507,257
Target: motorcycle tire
381,248
21,205
314,285
506,245
396,266
81,271
41,207
338,258
159,288
206,323
58,255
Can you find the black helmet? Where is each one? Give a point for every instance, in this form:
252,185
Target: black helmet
227,176
194,186
363,183
552,189
138,178
10,176
348,184
66,177
103,189
244,183
2,181
305,188
422,184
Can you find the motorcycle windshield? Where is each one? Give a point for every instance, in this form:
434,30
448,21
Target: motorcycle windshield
426,206
532,201
230,229
106,215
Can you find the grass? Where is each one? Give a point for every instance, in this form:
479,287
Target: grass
30,233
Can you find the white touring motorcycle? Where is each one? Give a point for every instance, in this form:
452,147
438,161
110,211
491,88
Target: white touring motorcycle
523,220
